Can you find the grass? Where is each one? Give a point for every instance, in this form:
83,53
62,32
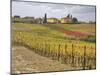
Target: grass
49,33
53,30
47,38
86,28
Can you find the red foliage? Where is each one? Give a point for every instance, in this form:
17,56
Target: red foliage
73,33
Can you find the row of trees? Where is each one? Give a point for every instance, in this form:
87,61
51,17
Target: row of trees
42,20
74,19
28,19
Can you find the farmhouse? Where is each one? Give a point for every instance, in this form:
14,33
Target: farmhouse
65,20
52,20
62,20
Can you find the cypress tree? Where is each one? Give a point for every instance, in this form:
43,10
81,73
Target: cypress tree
71,17
68,16
45,18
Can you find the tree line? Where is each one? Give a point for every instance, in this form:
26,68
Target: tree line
41,20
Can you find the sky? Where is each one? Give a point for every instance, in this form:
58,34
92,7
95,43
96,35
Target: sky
36,9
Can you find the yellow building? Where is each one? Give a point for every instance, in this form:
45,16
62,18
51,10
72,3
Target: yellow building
52,20
65,20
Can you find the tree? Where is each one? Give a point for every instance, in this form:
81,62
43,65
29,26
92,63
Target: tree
68,16
74,20
16,16
45,18
28,17
71,17
38,20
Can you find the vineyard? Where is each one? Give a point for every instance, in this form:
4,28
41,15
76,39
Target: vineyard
55,45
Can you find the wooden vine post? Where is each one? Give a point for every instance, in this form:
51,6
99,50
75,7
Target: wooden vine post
59,52
72,55
84,62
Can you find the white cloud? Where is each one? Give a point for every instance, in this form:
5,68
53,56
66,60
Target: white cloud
37,9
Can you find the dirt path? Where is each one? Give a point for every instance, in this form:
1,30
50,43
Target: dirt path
26,61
